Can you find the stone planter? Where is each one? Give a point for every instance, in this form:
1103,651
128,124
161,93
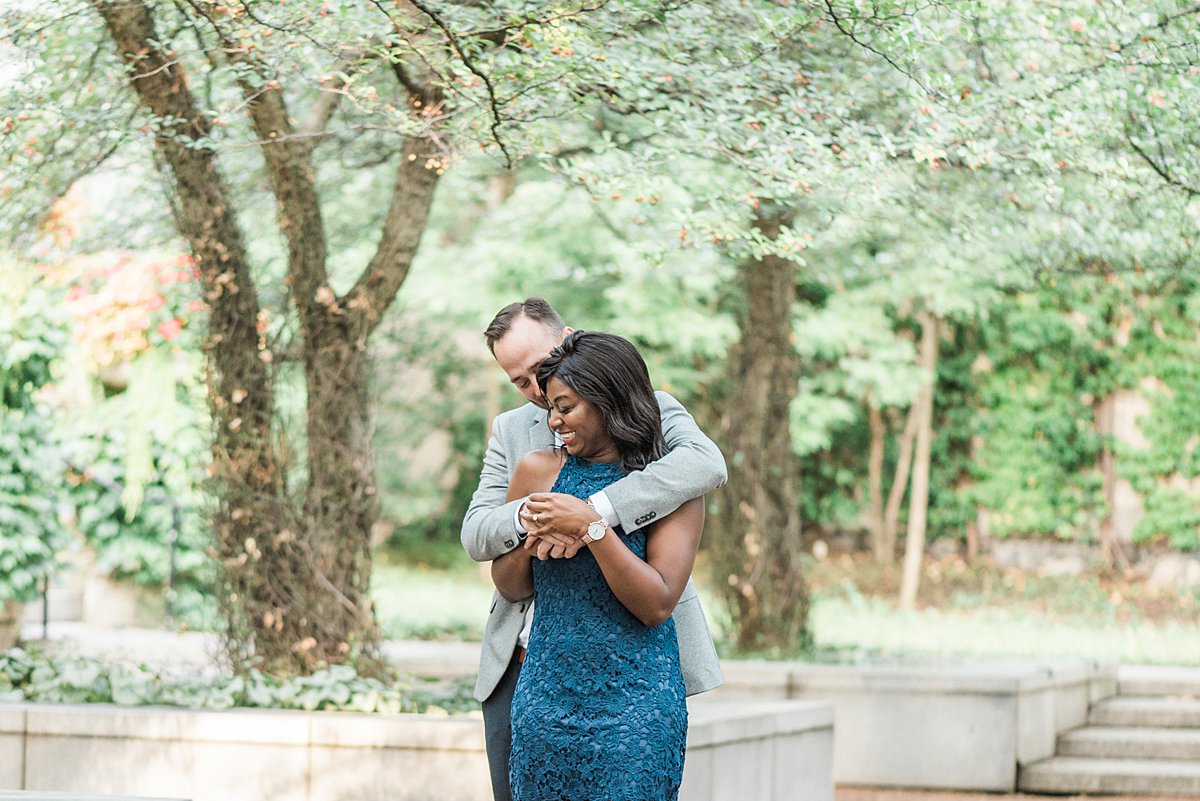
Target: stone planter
766,751
946,727
116,604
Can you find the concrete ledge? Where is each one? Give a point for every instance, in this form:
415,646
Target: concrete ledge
968,726
771,750
764,749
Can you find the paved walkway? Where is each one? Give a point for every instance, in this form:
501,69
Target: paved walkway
202,650
873,794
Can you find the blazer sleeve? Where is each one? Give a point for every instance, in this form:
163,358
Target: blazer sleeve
692,467
488,528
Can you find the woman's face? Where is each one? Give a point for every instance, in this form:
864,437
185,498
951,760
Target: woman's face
579,424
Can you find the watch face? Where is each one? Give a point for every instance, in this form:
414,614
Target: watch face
596,529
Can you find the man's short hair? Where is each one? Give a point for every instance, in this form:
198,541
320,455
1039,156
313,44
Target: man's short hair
536,309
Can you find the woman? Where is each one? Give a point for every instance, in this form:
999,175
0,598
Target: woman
599,707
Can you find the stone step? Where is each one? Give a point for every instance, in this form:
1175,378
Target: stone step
1082,775
1121,742
1153,712
1178,682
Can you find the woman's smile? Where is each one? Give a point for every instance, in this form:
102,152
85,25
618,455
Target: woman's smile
579,424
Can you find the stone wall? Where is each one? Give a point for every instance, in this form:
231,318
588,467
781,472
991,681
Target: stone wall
768,751
964,727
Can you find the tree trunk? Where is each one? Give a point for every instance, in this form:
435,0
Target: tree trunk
918,499
248,479
891,515
297,580
1104,413
757,547
875,482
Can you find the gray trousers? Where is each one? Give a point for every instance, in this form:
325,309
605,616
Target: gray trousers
497,729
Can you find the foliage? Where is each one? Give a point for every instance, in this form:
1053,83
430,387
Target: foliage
134,542
48,678
1165,335
431,406
30,491
124,305
133,426
32,337
1014,168
1019,388
1037,448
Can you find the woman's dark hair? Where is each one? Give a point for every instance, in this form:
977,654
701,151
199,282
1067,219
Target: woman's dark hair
607,371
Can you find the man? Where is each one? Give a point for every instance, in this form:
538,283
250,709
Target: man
520,337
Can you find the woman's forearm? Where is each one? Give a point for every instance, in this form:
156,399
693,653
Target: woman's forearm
512,574
650,588
638,585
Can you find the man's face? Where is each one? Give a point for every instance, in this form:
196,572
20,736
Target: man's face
521,350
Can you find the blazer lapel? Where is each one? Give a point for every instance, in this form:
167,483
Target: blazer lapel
540,435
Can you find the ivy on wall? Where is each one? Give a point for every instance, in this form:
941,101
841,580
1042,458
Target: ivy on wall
1020,383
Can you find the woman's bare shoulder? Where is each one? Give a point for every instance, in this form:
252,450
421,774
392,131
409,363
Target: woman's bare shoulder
536,470
543,457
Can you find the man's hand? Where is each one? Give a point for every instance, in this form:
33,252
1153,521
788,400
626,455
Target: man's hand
556,523
550,549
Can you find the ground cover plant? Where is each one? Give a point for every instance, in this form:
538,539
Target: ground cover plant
65,678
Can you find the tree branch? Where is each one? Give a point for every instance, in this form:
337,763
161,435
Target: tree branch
413,88
493,102
840,24
407,215
1162,170
525,22
331,93
291,174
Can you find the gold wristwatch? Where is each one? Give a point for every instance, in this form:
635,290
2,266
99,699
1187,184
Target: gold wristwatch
595,531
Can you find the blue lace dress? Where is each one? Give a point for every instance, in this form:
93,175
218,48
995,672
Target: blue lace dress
598,713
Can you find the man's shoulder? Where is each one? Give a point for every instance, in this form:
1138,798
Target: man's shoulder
523,416
666,401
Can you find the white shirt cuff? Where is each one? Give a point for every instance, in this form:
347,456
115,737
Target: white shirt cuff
521,532
603,505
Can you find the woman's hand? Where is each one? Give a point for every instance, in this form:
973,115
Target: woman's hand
556,523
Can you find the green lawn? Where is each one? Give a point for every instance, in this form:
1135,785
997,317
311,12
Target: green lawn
416,602
875,629
985,613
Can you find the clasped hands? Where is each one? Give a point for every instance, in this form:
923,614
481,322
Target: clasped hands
556,523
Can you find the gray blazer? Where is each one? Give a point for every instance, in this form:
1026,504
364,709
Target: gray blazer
693,467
